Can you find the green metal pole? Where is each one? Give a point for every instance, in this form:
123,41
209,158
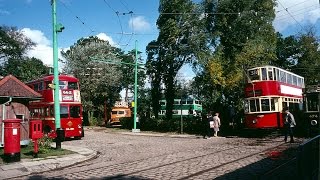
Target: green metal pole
55,67
56,73
135,89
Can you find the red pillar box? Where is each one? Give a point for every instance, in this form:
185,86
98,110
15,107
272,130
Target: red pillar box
35,133
12,140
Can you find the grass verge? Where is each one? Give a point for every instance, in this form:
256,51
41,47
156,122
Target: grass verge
26,152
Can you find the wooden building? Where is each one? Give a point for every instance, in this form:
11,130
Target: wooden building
14,100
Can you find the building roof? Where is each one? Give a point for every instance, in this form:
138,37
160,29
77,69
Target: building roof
12,87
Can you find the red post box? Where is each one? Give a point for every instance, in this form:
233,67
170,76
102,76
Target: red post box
12,140
35,133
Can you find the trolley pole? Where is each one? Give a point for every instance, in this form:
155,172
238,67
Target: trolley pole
135,90
56,28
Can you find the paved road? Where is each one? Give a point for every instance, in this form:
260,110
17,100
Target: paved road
126,156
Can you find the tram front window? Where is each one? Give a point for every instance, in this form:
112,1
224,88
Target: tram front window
254,74
75,111
254,105
265,105
312,102
64,112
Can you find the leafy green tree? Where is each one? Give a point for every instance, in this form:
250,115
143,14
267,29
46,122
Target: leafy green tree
154,71
13,43
177,43
287,51
13,46
99,80
307,63
25,69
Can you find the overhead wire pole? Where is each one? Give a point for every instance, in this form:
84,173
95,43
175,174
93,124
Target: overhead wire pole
135,90
56,28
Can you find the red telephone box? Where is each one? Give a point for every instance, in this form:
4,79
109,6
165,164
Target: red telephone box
35,133
12,140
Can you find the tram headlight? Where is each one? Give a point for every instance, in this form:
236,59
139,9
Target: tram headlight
313,122
254,121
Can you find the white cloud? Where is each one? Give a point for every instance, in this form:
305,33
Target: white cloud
290,12
36,36
42,49
139,24
104,37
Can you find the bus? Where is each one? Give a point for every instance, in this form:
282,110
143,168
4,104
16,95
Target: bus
70,105
182,107
311,98
268,91
120,110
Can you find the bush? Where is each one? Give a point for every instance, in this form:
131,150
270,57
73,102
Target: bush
44,144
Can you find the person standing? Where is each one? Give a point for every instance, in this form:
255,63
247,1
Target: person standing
216,124
289,124
209,125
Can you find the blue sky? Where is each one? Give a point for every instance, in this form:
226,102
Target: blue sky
111,20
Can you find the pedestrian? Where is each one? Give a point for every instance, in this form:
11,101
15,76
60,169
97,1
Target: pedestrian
209,125
216,124
289,124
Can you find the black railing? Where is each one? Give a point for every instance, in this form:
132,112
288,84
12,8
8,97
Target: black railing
308,159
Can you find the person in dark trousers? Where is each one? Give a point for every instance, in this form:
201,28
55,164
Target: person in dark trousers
289,124
208,129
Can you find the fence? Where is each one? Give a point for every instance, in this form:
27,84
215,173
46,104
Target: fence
308,159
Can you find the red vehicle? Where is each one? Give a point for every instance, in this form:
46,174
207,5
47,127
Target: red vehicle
268,92
70,105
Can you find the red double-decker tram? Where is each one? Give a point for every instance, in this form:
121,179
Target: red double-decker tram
268,92
70,105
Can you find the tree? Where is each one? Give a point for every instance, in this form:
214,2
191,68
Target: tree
99,81
177,43
25,69
307,63
242,36
287,51
13,43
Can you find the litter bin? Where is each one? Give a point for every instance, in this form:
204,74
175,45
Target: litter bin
11,140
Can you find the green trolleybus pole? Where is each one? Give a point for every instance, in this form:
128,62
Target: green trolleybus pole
56,28
135,90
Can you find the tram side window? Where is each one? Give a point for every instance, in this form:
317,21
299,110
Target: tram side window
282,76
75,111
294,80
254,105
289,78
273,106
312,102
64,112
299,82
264,73
270,74
189,102
72,85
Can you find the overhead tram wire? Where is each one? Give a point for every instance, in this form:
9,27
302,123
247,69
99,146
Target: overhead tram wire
120,23
286,17
77,17
294,5
290,14
298,11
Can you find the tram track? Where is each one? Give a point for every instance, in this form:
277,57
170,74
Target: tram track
174,163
